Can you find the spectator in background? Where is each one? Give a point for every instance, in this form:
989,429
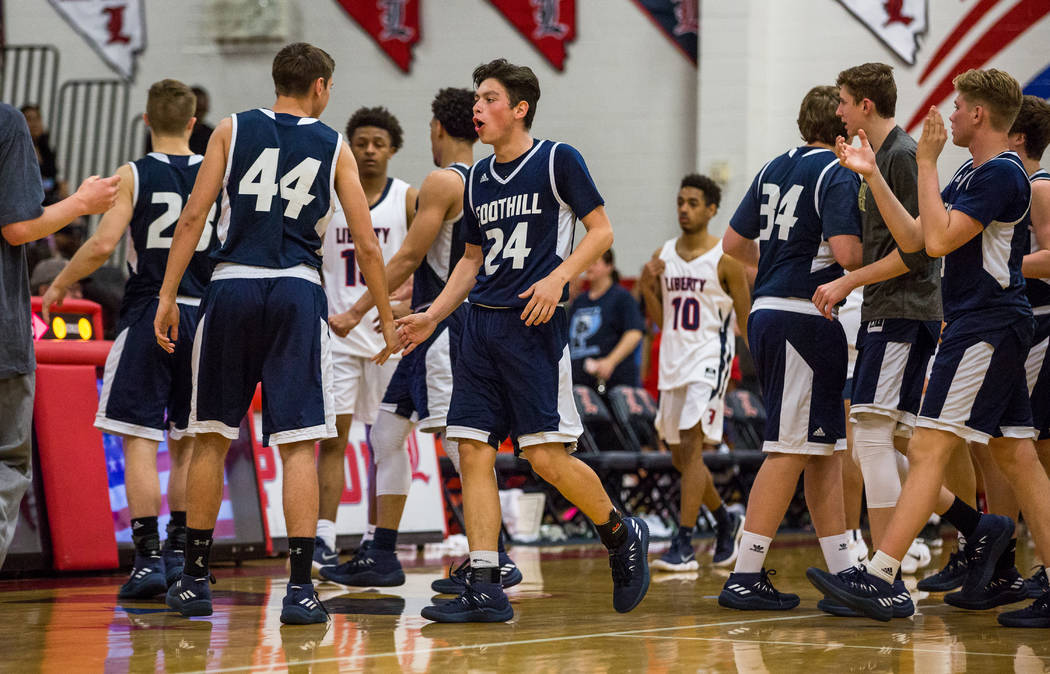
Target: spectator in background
201,130
54,188
605,327
45,272
22,219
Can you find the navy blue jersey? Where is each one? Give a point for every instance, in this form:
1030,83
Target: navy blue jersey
432,273
277,196
523,214
794,205
163,183
1037,289
983,276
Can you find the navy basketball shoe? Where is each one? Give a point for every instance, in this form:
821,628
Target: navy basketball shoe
1007,587
302,606
324,556
755,592
1037,584
727,543
369,568
630,566
174,561
680,557
951,577
458,578
990,539
191,596
856,589
146,580
903,606
479,602
1036,615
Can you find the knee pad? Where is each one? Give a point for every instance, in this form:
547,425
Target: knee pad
393,473
873,445
451,448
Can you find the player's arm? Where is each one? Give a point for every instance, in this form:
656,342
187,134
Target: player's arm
411,199
828,296
97,249
1037,264
905,228
415,328
95,195
734,281
545,294
441,193
188,231
649,285
366,246
737,246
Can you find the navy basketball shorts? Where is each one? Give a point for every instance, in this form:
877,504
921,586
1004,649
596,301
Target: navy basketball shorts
421,388
892,360
978,388
1037,368
800,359
146,390
273,330
513,380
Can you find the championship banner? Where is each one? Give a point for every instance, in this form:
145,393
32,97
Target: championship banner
548,24
678,19
897,23
393,24
116,29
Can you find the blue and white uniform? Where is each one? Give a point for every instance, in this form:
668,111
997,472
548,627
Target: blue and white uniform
977,387
421,388
1037,366
511,379
141,380
264,315
796,203
358,382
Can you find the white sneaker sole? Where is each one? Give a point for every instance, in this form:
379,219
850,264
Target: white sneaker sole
661,565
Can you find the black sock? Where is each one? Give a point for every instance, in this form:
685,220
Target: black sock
962,517
721,518
145,537
613,533
484,574
198,551
301,558
685,532
499,545
386,539
177,531
1008,560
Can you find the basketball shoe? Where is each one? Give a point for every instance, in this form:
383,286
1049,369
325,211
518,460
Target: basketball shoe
727,543
147,579
302,606
458,578
368,568
629,564
755,592
680,556
191,596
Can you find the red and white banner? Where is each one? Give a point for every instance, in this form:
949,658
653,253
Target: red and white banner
116,29
897,23
548,24
393,24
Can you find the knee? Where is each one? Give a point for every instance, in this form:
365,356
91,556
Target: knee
1015,459
475,458
546,463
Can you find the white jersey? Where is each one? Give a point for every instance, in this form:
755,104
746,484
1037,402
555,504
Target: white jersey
697,343
343,282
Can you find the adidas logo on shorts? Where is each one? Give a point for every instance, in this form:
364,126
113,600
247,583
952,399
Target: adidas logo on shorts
819,433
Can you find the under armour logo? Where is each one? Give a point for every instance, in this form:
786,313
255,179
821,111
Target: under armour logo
393,21
200,561
548,19
295,551
199,542
755,547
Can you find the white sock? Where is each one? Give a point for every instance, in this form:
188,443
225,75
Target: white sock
836,552
326,532
479,559
753,549
370,533
856,534
883,566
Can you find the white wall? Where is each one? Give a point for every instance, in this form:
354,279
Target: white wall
627,98
758,58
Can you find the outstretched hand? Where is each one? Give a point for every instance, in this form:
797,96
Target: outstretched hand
857,159
413,330
933,137
393,343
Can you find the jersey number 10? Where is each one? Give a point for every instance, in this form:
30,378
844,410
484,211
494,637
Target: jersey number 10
686,313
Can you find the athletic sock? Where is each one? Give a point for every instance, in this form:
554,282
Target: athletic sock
613,533
962,517
176,531
300,558
386,539
836,552
145,537
370,533
752,555
883,566
198,551
685,532
1008,560
484,566
500,547
326,532
721,517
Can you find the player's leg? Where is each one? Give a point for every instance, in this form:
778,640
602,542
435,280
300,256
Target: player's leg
142,486
852,490
680,556
180,451
331,481
299,495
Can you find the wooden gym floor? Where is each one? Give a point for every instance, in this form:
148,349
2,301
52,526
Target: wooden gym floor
564,622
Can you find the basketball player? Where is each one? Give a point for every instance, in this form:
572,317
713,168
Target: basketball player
264,314
146,391
374,136
421,387
513,376
977,389
691,289
802,208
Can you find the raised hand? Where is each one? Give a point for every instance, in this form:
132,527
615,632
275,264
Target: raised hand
933,137
97,195
857,159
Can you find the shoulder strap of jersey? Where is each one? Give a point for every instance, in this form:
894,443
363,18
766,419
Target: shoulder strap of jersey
134,183
554,182
1041,174
460,169
820,179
